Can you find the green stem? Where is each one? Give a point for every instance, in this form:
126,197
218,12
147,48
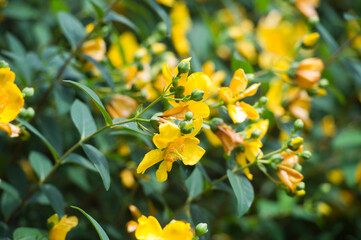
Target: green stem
150,105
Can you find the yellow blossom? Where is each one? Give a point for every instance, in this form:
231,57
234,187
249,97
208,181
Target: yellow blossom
199,81
121,106
217,77
238,90
150,229
127,178
129,45
290,177
171,146
335,176
274,96
311,39
324,209
307,7
309,72
61,228
328,126
181,23
11,98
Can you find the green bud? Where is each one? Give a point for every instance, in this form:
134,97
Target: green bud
301,186
197,95
240,147
183,67
27,113
162,28
172,89
312,91
3,64
213,127
186,127
256,133
313,20
140,66
175,82
325,188
201,229
28,92
189,116
217,121
295,143
324,83
274,166
298,124
263,100
277,158
298,167
179,92
306,155
154,120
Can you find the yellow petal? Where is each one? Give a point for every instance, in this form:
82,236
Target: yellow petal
148,229
198,81
212,137
192,153
199,109
177,230
236,113
238,82
167,74
249,91
225,93
150,159
60,230
178,112
162,172
261,125
241,160
168,132
12,130
249,110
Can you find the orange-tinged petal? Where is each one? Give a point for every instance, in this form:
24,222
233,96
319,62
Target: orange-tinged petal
198,81
168,132
177,230
290,177
199,109
239,82
241,160
178,112
250,91
12,130
225,93
150,159
192,153
249,110
148,229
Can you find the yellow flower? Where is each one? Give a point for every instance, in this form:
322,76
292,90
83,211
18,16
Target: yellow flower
11,98
229,138
171,147
181,23
238,90
121,106
252,147
311,39
328,126
335,176
274,96
290,177
128,43
324,209
150,229
309,72
127,178
216,77
62,227
300,106
307,7
199,81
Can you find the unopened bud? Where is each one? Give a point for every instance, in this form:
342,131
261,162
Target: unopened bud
28,92
27,113
295,143
197,95
277,158
217,121
306,155
274,166
298,124
189,116
301,186
324,83
3,64
183,67
201,229
256,133
298,167
300,193
140,66
310,40
263,100
186,127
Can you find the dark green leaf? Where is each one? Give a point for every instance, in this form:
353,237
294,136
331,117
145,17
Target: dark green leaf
9,189
243,190
161,13
98,9
72,28
41,164
79,160
55,198
83,119
100,163
348,16
347,138
98,228
239,62
113,16
95,99
194,183
103,70
37,133
25,233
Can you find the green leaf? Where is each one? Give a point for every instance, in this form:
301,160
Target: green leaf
327,37
98,228
83,119
100,163
79,160
95,99
37,133
72,28
103,70
194,183
113,16
161,13
55,198
10,190
347,138
58,5
243,190
41,164
20,11
25,233
99,11
132,126
239,62
348,16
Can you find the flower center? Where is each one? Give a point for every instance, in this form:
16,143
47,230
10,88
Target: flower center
174,151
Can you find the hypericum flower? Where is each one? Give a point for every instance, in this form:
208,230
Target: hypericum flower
308,7
127,178
187,84
121,106
308,72
94,48
289,176
236,91
274,96
11,98
252,146
172,145
61,227
328,126
181,23
129,45
150,229
229,138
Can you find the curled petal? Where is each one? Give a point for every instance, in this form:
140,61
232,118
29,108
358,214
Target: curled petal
236,113
249,110
249,91
239,82
150,159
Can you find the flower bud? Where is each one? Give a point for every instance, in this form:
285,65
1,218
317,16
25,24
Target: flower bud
300,193
324,83
179,92
277,158
201,229
325,188
308,72
256,133
183,67
27,113
306,155
298,125
301,186
175,82
298,167
154,121
140,66
28,92
310,40
295,143
263,100
217,121
189,116
197,95
274,166
3,64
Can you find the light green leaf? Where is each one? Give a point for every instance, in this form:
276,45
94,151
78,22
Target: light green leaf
100,163
59,5
55,198
132,126
37,133
103,70
243,190
194,183
83,119
239,62
347,138
41,164
98,228
113,16
99,11
25,233
95,99
72,28
79,160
